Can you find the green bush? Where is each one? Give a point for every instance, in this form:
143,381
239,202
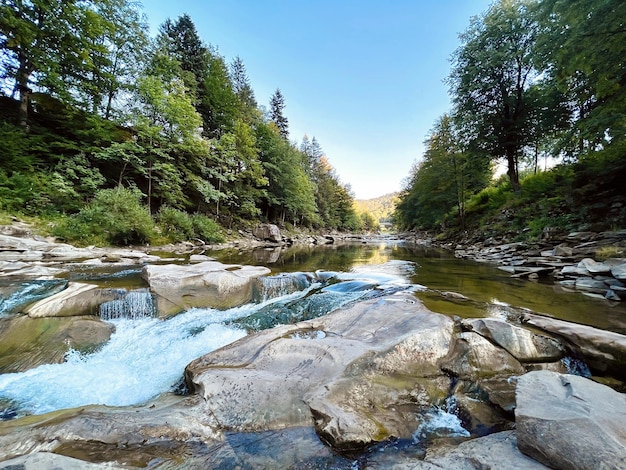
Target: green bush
175,225
115,217
206,229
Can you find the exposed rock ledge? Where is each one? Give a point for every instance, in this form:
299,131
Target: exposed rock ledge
357,376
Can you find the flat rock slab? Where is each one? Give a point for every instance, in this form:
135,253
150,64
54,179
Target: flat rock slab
521,343
77,299
569,422
349,368
49,461
604,351
206,284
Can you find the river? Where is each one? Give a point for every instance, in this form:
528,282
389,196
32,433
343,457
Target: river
146,356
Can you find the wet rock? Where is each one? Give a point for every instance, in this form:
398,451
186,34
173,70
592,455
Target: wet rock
497,451
594,267
160,430
77,299
604,351
269,232
374,363
26,342
46,460
206,284
521,343
473,357
570,423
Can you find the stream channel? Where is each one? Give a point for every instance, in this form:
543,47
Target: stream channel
146,356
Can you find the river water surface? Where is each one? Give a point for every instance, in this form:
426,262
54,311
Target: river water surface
146,355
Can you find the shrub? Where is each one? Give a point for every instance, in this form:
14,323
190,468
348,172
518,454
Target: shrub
206,229
175,225
115,216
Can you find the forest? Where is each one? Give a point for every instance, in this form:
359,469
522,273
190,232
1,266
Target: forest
538,92
112,136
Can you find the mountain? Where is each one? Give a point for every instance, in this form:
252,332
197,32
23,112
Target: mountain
381,208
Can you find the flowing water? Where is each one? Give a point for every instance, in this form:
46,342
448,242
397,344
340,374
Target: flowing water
146,356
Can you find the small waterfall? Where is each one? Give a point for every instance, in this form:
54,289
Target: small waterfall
131,305
270,287
576,366
440,422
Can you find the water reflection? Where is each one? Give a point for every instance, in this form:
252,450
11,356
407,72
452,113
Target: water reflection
491,292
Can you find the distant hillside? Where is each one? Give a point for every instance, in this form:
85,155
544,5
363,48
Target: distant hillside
381,208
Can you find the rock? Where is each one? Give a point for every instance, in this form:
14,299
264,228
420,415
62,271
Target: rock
200,258
619,272
358,371
77,299
26,342
604,351
574,271
164,429
570,423
594,267
473,357
269,232
478,417
562,250
207,284
46,460
496,451
591,285
521,343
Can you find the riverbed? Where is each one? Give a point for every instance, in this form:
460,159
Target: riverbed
146,355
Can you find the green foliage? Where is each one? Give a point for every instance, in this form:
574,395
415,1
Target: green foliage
175,224
178,226
206,229
114,217
192,138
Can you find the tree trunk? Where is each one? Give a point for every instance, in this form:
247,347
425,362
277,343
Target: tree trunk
24,91
512,171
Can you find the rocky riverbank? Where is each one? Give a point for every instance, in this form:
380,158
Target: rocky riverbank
359,387
592,263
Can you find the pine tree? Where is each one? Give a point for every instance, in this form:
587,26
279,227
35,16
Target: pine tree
277,105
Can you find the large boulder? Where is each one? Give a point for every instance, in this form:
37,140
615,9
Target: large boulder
604,351
521,343
208,284
570,423
267,232
166,428
77,299
484,368
361,372
496,451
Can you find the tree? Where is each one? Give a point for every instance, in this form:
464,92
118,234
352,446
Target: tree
182,42
491,75
290,193
116,47
442,181
168,133
582,44
277,105
38,39
219,104
243,90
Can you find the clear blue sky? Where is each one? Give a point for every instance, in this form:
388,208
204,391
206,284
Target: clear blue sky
365,77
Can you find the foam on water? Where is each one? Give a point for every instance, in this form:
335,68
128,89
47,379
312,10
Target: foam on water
438,422
143,358
146,356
